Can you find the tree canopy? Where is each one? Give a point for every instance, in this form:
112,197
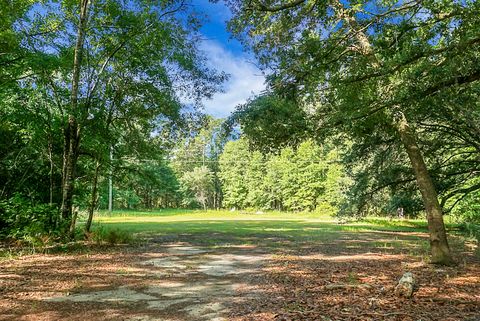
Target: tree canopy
375,69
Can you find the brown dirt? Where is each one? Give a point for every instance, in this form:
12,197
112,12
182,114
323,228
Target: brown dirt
168,282
188,282
341,281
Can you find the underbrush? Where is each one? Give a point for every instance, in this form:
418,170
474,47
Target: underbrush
99,239
26,225
29,228
471,230
102,235
20,217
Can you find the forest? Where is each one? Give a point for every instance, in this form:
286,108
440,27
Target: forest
370,115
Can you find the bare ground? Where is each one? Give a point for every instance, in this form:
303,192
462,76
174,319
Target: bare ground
348,278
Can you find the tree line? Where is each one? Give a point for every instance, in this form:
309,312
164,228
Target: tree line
211,171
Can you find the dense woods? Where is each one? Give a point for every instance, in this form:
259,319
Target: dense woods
371,107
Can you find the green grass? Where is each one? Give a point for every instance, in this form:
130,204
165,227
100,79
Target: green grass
272,229
244,223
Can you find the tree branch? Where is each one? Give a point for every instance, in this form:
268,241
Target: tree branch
280,7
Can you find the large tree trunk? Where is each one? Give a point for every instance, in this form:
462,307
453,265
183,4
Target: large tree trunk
438,236
72,131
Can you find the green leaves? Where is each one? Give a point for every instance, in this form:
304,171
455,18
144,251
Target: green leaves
200,182
141,61
299,179
352,64
271,122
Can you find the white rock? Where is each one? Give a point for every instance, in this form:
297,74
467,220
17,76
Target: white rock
405,286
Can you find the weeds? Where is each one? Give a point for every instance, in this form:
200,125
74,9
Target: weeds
115,236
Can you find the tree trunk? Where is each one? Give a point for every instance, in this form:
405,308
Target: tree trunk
70,157
110,182
438,236
72,224
53,220
72,131
93,202
50,156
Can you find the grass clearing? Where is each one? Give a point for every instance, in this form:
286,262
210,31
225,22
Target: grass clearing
274,229
241,223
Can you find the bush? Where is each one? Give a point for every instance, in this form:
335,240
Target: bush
467,212
471,230
111,236
21,219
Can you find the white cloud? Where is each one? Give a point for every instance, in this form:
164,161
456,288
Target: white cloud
245,79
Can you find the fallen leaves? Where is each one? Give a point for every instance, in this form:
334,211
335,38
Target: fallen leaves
311,282
319,285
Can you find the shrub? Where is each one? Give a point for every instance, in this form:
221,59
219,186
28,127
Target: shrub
21,219
111,236
471,230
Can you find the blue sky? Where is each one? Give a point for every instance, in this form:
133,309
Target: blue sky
227,54
224,54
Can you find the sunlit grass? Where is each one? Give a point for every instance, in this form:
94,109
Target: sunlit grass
183,214
246,227
281,230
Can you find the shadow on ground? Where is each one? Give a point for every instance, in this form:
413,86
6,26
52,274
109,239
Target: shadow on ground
260,270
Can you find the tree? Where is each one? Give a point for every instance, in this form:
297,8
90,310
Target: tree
371,68
202,145
255,169
312,170
294,179
271,122
72,129
127,59
336,183
150,183
232,163
12,57
200,182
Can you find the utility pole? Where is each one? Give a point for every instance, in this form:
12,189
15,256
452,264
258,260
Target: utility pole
110,182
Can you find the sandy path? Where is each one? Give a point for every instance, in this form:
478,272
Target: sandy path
181,283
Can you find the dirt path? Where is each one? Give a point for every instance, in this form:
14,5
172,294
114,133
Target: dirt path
188,280
185,282
176,282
